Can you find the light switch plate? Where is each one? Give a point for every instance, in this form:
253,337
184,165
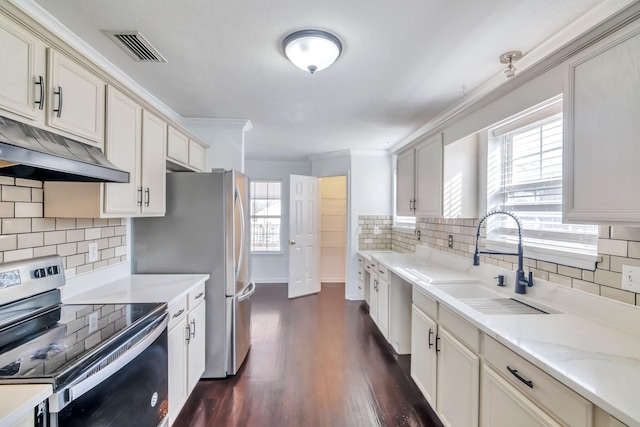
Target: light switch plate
631,278
93,252
376,229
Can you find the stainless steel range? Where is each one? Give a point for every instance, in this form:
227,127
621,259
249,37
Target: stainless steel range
107,363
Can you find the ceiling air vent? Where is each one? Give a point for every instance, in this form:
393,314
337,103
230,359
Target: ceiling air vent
136,46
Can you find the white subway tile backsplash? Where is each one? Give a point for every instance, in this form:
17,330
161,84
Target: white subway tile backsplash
612,247
8,243
28,210
15,194
43,224
92,233
75,235
30,240
18,255
21,182
618,294
16,225
54,237
37,195
67,249
65,223
84,222
7,209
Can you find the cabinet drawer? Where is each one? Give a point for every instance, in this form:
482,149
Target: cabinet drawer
361,274
361,261
557,398
425,303
383,272
374,265
196,296
367,266
177,311
463,330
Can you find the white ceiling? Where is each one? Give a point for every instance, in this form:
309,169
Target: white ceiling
402,63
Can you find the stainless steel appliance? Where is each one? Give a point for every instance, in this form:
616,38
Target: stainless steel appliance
206,230
107,363
30,152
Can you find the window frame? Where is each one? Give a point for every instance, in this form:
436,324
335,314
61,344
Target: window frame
572,252
252,216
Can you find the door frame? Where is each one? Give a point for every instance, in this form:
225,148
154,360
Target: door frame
348,267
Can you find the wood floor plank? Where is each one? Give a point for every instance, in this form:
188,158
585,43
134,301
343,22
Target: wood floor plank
314,361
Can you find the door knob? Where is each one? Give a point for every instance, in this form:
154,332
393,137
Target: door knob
292,242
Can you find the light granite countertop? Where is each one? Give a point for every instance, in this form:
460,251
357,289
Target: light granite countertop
592,345
16,401
139,288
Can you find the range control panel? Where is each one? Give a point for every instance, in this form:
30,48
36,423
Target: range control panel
44,272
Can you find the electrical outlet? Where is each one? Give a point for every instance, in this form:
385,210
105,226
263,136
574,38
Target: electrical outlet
450,241
93,252
631,278
376,229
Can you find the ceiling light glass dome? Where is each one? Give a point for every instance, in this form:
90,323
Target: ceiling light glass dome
312,50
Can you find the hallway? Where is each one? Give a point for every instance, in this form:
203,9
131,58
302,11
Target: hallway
315,361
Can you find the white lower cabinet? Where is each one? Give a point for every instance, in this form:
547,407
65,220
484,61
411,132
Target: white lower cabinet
458,382
504,406
423,355
186,342
383,307
373,296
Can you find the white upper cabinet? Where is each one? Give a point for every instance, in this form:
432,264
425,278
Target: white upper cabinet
123,149
601,149
154,140
405,182
185,151
438,181
197,155
428,187
22,74
76,98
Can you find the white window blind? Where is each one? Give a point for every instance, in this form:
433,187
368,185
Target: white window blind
525,178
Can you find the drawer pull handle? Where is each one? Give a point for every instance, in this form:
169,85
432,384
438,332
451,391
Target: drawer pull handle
437,347
515,373
199,295
382,271
40,83
193,331
430,335
178,313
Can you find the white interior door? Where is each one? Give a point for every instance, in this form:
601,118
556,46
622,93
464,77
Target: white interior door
304,236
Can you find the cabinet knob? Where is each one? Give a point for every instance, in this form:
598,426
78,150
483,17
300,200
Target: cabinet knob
292,242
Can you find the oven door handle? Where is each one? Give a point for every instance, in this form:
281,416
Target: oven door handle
63,397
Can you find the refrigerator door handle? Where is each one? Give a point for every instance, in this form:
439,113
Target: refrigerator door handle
251,288
242,231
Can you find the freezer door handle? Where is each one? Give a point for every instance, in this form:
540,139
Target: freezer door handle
238,199
247,294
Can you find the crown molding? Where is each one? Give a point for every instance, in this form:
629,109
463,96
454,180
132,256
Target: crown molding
591,27
371,153
243,124
329,155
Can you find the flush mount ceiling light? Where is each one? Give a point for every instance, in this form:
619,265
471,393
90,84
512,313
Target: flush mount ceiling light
312,50
509,58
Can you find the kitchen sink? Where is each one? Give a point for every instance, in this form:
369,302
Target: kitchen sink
496,306
467,290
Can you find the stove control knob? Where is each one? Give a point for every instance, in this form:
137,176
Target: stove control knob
52,270
39,273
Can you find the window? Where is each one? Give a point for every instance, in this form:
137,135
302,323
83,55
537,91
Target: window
524,176
266,211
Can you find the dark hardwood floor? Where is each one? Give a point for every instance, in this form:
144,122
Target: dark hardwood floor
314,361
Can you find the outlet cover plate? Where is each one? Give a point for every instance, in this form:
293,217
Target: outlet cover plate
631,278
93,252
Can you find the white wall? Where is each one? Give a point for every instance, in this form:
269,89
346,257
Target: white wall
274,268
225,139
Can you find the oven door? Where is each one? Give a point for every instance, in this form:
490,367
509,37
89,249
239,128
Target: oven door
131,390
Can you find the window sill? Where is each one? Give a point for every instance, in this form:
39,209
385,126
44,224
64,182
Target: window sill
406,229
568,257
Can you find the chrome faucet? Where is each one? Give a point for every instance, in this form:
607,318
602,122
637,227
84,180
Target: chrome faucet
521,282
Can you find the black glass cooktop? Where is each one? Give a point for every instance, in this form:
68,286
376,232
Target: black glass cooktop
67,338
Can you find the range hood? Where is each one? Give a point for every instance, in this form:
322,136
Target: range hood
32,153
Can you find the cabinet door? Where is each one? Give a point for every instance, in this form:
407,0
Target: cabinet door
429,178
124,119
154,140
78,96
196,318
405,177
177,146
601,110
504,406
458,383
18,55
423,354
197,156
383,307
177,352
373,297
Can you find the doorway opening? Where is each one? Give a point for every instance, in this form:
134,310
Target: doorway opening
333,229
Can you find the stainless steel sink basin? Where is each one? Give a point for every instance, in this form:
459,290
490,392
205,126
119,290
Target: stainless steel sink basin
496,306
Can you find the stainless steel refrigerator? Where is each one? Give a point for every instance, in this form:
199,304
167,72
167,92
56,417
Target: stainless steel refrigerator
205,230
